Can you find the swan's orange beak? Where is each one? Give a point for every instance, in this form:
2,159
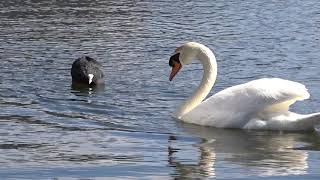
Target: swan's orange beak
175,69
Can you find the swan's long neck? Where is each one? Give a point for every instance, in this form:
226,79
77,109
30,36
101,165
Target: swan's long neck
208,60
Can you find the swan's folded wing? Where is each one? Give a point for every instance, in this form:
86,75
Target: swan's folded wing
233,106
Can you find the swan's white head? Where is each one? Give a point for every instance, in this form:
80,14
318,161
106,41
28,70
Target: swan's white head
183,55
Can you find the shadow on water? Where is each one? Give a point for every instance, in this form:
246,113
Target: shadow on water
263,153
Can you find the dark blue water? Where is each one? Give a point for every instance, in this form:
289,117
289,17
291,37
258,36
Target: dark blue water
50,131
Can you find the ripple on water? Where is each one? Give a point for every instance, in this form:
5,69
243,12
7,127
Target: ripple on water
50,129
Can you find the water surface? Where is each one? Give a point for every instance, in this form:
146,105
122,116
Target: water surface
51,131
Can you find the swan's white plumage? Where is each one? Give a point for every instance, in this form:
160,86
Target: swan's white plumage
236,106
258,104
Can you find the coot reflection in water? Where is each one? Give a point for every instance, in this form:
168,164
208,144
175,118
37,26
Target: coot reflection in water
87,89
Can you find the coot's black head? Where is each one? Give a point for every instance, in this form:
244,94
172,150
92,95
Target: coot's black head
86,70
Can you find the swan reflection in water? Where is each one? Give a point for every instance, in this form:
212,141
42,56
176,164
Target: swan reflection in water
224,152
184,170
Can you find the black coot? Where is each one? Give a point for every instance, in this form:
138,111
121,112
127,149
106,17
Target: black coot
86,70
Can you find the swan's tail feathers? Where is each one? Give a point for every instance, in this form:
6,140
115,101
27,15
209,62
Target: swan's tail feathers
291,122
308,122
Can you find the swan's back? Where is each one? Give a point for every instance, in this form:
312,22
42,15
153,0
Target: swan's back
235,106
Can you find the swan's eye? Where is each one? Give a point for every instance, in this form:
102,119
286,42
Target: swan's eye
174,58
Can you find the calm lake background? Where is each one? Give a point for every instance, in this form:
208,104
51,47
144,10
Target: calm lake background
50,131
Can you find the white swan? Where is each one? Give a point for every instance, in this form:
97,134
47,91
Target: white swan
258,104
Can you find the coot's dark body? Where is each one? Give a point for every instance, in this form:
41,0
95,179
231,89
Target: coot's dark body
83,68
